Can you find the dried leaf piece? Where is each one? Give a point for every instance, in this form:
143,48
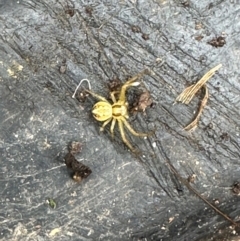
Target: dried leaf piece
187,95
193,124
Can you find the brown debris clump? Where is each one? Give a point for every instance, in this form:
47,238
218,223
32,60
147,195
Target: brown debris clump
136,29
217,42
80,170
82,96
143,102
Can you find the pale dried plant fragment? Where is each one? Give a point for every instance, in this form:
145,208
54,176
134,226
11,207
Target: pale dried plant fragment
187,95
193,124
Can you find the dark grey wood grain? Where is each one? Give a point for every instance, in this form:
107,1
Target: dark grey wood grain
126,197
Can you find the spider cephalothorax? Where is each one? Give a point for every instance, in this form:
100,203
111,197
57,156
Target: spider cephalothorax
118,111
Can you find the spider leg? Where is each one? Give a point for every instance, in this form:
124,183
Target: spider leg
104,124
129,83
112,127
125,140
113,93
133,131
96,95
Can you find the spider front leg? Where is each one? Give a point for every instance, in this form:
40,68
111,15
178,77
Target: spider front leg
113,93
96,95
129,83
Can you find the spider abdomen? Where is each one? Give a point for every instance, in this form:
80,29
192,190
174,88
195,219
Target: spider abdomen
102,111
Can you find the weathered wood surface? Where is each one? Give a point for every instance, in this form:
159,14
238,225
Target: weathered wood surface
125,198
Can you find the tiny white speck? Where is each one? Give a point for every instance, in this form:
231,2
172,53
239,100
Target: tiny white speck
154,144
135,83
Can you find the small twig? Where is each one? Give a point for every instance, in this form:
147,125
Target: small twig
185,182
89,86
